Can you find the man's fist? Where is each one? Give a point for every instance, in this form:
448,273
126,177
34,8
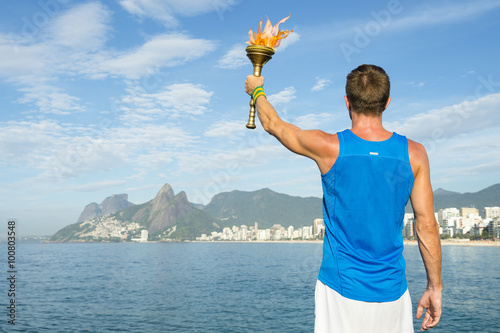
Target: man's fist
253,82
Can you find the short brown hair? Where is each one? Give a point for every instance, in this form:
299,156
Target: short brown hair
367,89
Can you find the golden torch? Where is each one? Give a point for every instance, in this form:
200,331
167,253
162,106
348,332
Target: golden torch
261,50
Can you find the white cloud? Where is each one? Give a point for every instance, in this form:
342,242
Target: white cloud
61,151
283,97
461,140
97,186
414,84
313,120
151,138
83,27
226,129
236,57
65,40
432,15
175,100
73,43
166,11
165,50
235,159
488,167
466,158
154,159
403,18
30,143
17,59
320,84
442,124
467,73
57,151
184,98
33,62
141,188
49,99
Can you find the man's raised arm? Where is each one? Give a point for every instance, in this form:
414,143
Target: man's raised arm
422,200
315,144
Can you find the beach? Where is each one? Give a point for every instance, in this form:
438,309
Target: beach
461,242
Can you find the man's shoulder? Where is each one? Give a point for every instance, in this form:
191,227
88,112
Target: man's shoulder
416,147
331,136
324,136
332,140
417,153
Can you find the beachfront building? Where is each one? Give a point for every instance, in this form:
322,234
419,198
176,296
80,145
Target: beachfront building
468,211
469,222
319,228
452,226
143,238
307,232
491,212
297,233
478,229
446,214
494,227
448,232
243,233
227,234
409,226
262,235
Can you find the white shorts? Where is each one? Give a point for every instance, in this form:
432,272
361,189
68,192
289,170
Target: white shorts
337,314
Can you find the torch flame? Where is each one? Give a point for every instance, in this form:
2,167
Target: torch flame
271,36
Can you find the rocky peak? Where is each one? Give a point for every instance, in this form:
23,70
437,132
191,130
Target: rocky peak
165,214
114,203
91,211
163,198
110,205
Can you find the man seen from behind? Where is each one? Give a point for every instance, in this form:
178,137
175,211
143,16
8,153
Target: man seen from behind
368,175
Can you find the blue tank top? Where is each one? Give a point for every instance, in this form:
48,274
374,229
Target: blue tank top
364,199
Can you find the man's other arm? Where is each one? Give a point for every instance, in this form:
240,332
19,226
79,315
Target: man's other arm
427,229
315,144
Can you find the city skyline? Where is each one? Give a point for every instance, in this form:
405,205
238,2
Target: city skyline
464,222
101,98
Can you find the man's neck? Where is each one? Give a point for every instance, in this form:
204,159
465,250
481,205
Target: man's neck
369,127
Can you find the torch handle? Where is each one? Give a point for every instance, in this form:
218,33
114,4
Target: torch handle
251,117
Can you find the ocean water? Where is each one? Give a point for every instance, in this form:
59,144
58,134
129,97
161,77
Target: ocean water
215,287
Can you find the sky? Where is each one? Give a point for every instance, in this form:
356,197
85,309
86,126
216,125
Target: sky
123,96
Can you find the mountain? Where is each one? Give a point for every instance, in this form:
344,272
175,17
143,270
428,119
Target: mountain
109,205
167,210
265,207
164,210
441,191
166,216
487,197
170,216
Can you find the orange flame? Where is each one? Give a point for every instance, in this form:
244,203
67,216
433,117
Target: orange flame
271,36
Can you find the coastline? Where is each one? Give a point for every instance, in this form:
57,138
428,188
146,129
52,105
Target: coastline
406,242
460,243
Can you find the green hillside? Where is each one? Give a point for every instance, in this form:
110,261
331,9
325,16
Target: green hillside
265,207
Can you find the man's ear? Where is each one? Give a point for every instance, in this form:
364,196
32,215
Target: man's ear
347,103
388,101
